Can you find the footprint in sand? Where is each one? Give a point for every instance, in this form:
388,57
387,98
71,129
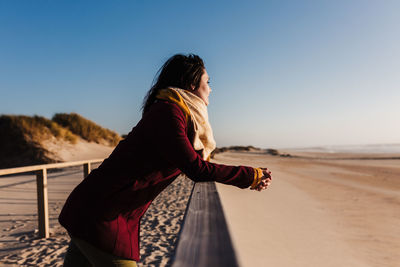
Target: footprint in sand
16,226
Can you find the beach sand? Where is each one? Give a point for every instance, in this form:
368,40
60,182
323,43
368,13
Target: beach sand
162,222
328,212
19,245
18,210
317,212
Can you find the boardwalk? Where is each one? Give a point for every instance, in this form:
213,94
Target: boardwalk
19,244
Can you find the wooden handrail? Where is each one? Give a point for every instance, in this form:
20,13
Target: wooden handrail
47,166
41,186
204,239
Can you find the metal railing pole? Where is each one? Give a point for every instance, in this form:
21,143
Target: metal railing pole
43,204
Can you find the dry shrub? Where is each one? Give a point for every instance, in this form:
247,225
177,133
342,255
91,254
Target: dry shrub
86,129
232,148
20,138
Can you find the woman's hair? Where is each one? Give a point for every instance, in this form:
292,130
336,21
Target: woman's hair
181,71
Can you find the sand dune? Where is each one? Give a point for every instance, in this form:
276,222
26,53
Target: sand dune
82,150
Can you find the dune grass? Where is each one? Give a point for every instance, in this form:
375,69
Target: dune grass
36,128
269,151
22,137
232,148
86,129
20,140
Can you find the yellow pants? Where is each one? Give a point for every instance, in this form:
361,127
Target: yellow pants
80,254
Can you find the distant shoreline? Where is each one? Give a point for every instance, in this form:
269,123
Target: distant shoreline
353,149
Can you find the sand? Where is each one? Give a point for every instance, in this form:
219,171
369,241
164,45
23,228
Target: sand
19,245
18,238
327,212
162,222
316,212
82,150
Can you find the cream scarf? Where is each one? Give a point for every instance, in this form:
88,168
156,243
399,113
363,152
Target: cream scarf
195,110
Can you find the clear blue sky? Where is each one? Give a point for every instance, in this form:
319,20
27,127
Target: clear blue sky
283,73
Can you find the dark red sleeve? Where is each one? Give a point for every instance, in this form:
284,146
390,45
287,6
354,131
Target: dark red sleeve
172,143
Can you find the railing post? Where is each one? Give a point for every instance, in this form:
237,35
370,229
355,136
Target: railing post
86,169
43,204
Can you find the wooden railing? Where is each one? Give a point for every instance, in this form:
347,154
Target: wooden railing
204,239
41,186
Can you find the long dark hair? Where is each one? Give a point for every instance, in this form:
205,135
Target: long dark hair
180,71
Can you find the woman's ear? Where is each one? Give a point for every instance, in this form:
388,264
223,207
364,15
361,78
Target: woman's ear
193,87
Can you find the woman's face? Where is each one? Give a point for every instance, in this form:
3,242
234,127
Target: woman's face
204,90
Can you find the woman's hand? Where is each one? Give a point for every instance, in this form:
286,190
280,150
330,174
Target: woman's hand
265,180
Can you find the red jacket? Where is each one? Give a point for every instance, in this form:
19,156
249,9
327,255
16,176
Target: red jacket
106,207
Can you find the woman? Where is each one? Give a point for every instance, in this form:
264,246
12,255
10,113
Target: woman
103,212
